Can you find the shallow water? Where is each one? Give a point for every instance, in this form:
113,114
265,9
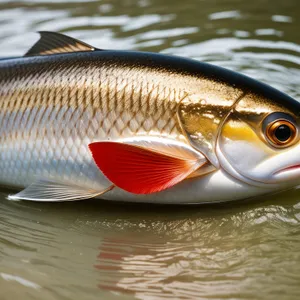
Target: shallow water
99,250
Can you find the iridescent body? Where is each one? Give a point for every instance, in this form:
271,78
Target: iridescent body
53,106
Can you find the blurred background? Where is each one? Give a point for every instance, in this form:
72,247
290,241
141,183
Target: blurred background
98,250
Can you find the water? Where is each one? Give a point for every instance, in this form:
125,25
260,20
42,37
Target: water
98,250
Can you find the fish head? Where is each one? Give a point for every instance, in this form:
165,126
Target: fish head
259,140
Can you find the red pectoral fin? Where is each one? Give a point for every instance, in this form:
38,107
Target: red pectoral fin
139,170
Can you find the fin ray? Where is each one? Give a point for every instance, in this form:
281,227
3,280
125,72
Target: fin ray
51,191
145,170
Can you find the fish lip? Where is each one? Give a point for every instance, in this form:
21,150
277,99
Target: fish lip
289,168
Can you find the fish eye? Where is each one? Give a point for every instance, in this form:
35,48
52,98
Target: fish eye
280,130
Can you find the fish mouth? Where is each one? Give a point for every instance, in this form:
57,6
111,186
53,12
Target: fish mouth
288,169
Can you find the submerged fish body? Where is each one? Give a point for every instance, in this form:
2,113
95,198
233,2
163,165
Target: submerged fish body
77,122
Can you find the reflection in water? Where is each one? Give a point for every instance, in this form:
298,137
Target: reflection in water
236,251
97,249
203,257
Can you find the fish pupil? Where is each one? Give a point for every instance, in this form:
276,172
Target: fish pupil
283,133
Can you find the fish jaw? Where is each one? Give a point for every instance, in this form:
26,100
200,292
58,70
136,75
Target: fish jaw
277,172
283,169
214,187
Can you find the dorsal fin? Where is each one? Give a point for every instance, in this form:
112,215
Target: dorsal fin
54,43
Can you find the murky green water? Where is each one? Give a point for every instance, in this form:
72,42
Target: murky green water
98,250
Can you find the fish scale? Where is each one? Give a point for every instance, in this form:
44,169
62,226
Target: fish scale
52,110
78,122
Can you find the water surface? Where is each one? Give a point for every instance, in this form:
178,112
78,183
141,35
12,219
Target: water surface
100,250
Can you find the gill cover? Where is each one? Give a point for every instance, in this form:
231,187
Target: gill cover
200,117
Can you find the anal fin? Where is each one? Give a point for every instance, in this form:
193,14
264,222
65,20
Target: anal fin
51,191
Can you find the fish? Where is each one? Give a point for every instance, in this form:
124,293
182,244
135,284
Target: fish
78,122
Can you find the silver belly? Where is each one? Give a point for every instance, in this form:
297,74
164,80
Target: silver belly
212,188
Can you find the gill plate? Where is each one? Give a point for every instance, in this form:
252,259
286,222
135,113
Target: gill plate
201,123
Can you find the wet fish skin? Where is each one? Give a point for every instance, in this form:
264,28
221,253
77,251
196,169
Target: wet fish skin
53,106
